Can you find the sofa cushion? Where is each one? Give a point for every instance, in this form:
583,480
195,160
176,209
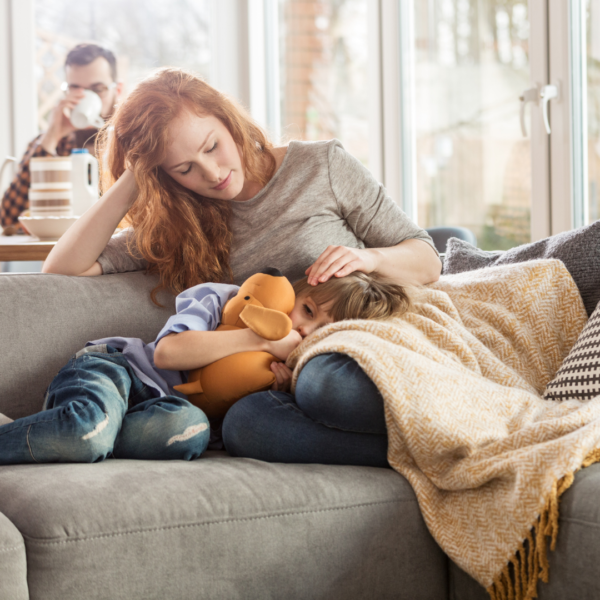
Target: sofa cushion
13,562
220,527
47,318
579,374
578,249
573,565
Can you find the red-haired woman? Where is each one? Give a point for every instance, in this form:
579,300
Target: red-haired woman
210,199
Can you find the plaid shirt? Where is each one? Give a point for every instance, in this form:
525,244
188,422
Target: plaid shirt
15,199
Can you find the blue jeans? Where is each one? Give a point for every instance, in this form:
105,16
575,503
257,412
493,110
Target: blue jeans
96,407
336,418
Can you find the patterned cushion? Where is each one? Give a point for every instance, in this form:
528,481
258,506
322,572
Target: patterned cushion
579,375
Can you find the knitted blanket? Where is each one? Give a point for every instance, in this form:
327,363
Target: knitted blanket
461,377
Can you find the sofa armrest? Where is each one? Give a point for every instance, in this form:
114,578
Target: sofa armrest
13,562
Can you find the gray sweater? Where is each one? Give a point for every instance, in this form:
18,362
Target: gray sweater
320,195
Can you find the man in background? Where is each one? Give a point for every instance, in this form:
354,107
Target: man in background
87,67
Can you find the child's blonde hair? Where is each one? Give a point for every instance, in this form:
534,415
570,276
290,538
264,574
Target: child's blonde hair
357,296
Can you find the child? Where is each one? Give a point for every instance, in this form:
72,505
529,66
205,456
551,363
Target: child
115,397
356,296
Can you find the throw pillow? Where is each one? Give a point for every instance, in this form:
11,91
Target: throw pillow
578,249
579,375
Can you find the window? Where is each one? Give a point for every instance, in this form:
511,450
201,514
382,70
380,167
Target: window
323,72
472,162
424,92
146,35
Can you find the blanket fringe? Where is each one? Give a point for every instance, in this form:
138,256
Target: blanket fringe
519,578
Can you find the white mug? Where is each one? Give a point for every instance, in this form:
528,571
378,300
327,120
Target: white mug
87,112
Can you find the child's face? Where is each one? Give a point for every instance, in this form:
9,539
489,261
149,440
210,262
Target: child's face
307,316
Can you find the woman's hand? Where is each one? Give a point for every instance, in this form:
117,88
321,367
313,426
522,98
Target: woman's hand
283,347
283,376
340,261
77,251
412,261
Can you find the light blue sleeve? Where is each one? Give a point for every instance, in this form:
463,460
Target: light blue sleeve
199,308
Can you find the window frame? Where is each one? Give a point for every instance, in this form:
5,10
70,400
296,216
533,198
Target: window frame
558,162
17,98
566,164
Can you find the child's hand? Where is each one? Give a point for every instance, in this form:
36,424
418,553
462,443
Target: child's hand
283,375
282,348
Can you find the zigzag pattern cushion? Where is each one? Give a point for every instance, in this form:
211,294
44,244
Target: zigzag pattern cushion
579,375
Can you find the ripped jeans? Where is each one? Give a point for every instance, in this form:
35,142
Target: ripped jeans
97,407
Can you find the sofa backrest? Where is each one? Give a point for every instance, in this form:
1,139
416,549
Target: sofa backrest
45,319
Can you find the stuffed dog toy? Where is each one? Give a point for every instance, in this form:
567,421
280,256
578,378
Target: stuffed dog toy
262,304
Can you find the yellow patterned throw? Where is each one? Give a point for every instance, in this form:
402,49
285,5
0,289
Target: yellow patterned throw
461,377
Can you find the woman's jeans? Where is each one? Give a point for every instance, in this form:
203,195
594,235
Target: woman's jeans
336,418
96,407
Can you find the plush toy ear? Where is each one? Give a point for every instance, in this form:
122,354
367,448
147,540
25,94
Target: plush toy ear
266,322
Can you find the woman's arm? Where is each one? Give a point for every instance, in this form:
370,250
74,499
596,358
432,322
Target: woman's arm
411,261
396,247
77,251
194,349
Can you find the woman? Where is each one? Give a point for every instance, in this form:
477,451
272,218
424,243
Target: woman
210,199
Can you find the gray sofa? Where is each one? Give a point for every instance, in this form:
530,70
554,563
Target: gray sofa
218,527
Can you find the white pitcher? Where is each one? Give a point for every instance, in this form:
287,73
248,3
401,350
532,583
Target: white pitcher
85,180
7,161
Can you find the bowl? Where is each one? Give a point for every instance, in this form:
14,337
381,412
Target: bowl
47,228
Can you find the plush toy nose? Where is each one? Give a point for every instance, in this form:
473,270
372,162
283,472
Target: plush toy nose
272,271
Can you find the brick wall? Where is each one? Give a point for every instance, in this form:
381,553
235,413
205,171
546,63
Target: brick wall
307,52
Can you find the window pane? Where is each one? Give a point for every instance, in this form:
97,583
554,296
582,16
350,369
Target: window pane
323,50
473,164
593,108
146,35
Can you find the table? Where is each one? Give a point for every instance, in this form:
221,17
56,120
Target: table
23,247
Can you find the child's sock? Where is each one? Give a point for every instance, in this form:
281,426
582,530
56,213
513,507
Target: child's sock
4,420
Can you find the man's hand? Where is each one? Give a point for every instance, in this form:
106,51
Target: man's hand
59,125
283,347
283,375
